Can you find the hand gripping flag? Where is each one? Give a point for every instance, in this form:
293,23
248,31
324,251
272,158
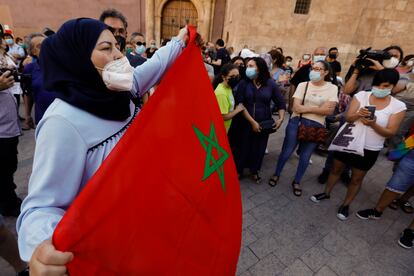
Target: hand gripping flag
167,200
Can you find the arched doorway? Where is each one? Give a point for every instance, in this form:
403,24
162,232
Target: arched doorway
175,14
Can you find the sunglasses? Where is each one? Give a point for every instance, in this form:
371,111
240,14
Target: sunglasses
141,43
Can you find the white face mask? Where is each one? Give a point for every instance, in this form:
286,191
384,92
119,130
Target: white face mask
318,58
391,63
410,63
118,75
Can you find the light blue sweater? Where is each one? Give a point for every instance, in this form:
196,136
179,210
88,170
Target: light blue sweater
71,144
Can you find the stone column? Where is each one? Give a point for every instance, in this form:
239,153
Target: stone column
149,20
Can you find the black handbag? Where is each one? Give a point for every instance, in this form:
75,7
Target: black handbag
267,126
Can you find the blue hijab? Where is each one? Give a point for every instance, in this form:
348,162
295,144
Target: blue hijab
68,70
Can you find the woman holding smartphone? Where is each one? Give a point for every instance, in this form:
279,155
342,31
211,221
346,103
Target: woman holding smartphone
388,115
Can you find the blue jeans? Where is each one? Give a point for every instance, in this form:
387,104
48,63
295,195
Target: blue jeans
403,177
289,144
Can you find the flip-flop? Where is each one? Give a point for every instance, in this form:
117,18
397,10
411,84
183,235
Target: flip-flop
273,181
296,191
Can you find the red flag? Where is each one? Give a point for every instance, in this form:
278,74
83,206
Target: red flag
167,200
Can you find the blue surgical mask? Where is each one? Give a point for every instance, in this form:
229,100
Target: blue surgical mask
314,76
140,49
380,93
318,58
9,41
251,73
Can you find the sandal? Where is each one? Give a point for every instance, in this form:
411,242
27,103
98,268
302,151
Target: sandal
273,181
256,177
296,191
394,204
406,207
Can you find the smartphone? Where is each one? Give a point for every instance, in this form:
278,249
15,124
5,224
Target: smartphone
371,108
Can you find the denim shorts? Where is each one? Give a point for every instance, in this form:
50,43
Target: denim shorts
403,177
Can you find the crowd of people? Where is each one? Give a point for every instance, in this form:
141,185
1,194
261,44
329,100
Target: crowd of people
79,120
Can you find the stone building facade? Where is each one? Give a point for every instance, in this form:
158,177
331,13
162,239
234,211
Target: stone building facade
349,25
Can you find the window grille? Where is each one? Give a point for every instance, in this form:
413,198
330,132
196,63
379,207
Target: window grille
302,6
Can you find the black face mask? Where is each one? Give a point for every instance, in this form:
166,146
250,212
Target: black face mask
332,56
242,71
121,41
233,81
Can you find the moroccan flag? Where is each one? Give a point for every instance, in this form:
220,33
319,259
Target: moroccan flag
167,200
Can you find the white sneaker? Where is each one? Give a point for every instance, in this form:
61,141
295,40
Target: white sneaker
297,156
266,151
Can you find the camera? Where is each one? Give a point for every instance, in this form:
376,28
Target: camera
18,77
362,63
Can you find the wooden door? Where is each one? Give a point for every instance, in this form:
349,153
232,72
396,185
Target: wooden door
176,14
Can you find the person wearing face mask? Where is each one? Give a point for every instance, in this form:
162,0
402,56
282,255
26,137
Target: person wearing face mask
138,40
332,59
94,83
306,59
278,73
356,81
20,42
224,84
129,48
302,74
388,114
313,101
135,57
119,24
151,50
9,136
256,95
240,63
36,92
15,50
288,66
406,95
407,65
117,21
236,127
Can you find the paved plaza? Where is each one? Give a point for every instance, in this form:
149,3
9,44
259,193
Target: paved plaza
286,235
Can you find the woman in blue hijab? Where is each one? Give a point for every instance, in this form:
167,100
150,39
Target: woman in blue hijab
94,84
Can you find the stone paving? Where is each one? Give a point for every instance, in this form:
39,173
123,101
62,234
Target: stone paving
286,235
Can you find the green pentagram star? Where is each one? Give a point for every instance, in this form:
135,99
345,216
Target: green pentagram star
212,165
